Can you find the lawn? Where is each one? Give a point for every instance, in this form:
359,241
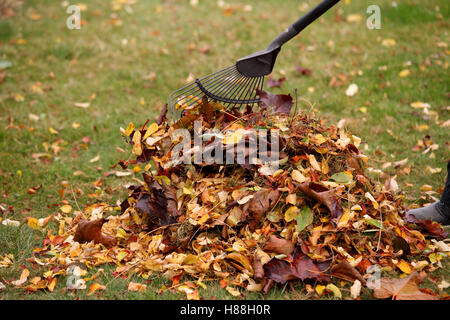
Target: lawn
65,94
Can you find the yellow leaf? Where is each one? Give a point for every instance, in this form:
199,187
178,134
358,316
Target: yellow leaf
129,129
95,159
343,220
53,131
66,208
325,167
405,267
121,255
137,146
94,287
404,73
291,213
388,43
151,130
233,137
337,293
298,177
23,278
33,223
52,284
121,233
319,289
133,286
234,292
372,199
354,17
314,163
420,105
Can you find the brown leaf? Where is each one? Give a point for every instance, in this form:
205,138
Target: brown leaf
159,203
273,83
280,103
91,231
302,267
432,227
324,196
279,245
258,268
346,271
303,71
261,202
402,289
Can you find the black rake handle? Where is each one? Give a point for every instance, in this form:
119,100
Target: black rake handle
302,23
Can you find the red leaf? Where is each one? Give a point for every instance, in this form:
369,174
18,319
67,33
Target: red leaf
304,71
432,227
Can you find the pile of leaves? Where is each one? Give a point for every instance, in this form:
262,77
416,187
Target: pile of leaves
317,217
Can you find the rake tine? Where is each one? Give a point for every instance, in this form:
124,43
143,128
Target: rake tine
193,84
243,89
237,87
226,87
198,90
190,91
252,86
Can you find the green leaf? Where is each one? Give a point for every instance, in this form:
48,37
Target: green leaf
304,218
375,223
342,178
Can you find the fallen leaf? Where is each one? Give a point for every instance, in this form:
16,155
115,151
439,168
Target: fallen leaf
91,231
279,245
402,289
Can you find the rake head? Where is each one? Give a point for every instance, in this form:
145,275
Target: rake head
228,86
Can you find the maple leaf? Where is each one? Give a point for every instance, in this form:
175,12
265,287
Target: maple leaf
402,289
91,231
280,103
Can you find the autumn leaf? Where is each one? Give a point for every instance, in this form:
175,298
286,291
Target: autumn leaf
304,218
402,289
91,231
302,268
273,83
280,103
95,287
279,245
324,196
346,271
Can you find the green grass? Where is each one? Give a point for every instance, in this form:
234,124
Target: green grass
114,63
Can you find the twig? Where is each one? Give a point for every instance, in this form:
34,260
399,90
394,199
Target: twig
75,198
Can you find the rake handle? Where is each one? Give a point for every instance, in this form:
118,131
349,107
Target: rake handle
302,23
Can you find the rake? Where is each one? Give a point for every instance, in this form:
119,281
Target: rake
241,83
